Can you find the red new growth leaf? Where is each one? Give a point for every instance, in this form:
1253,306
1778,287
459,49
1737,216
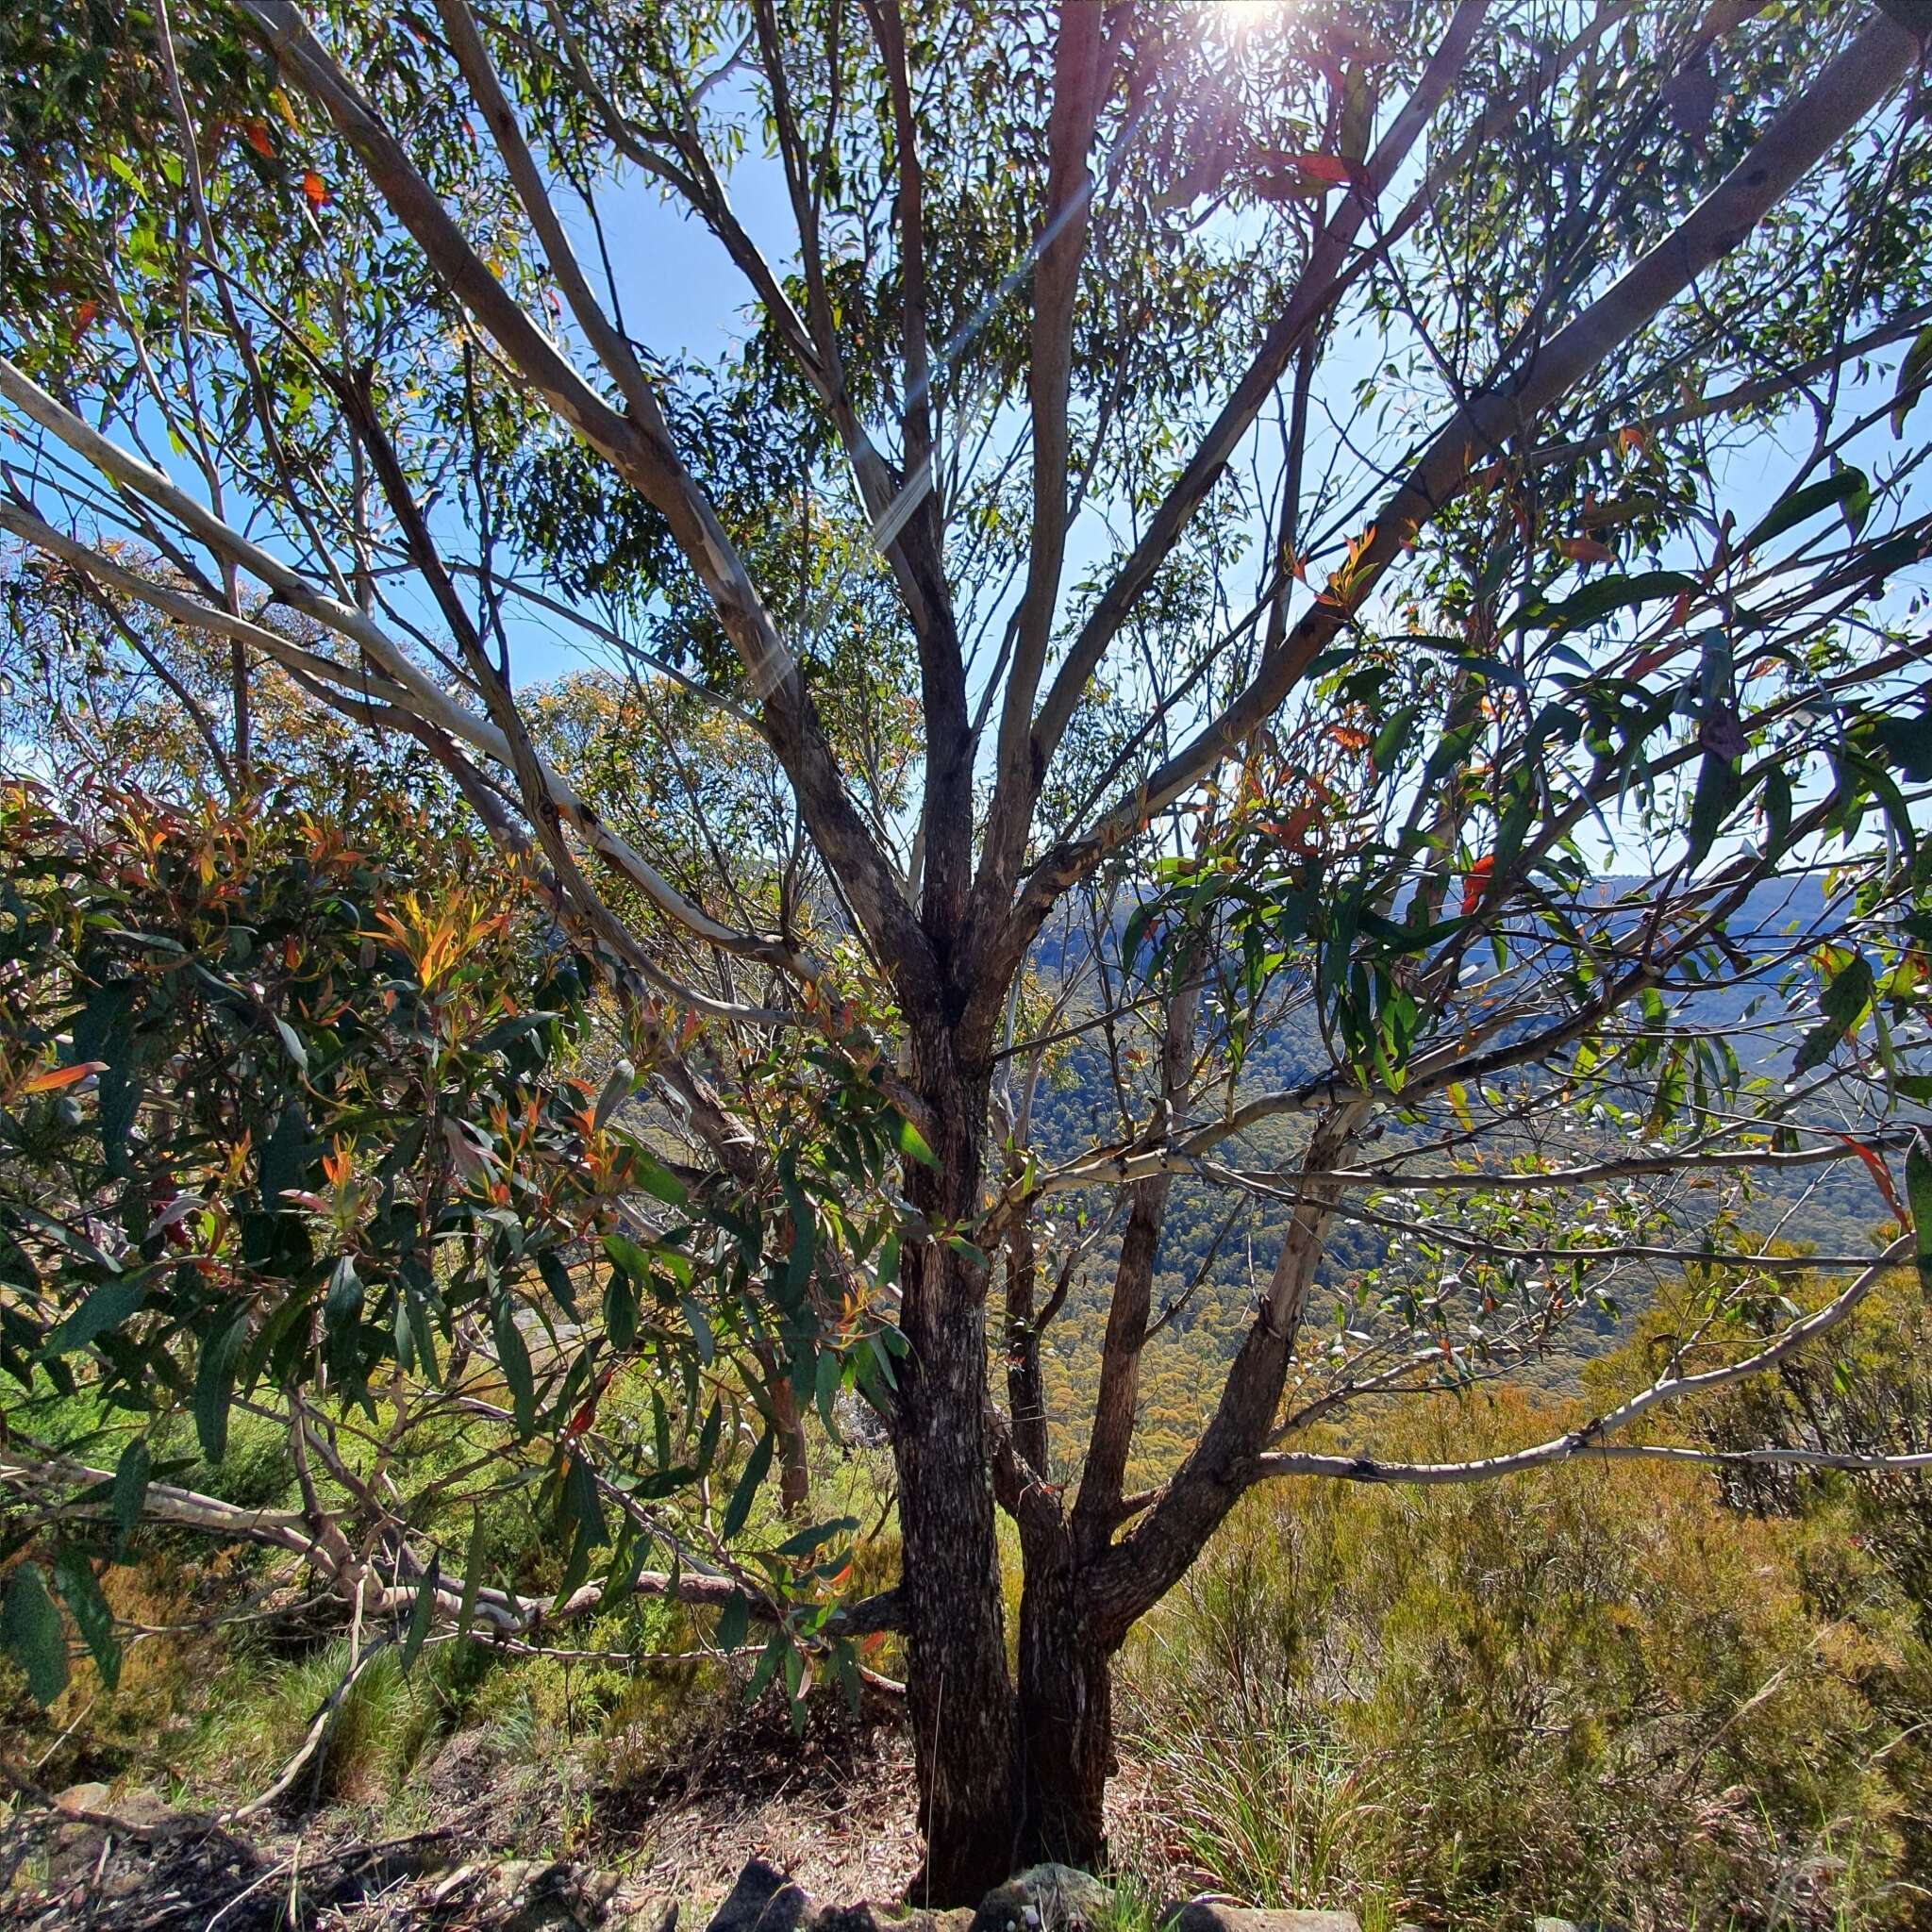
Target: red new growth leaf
1647,660
256,133
585,1416
315,188
1882,1174
1330,168
1476,882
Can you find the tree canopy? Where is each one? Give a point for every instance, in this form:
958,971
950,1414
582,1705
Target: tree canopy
1351,575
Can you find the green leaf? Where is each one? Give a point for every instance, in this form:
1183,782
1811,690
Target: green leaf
739,1509
556,1279
1849,994
1908,743
1710,803
1912,370
825,1382
657,1179
1858,505
106,1307
291,1043
581,1505
732,1622
707,1438
513,1358
804,1233
1392,736
819,1534
74,1577
1778,810
422,1613
700,1330
214,1387
847,1660
767,1667
1843,1003
30,1628
961,1246
283,1157
1919,1197
130,1486
344,1300
1828,493
1599,599
626,1253
913,1145
620,1310
473,1576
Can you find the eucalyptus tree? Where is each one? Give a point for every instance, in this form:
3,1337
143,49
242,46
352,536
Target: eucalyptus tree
1342,485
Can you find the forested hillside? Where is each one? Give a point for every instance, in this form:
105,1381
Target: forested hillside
1214,1257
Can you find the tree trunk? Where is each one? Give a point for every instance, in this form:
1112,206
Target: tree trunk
1066,1717
957,1690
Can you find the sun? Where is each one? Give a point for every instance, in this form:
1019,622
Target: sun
1234,16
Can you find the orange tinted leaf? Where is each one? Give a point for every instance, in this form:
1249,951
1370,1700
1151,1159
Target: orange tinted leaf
1349,738
315,188
84,315
1302,820
52,1079
256,133
1586,550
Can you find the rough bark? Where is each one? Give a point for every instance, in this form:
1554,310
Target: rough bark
1065,1712
957,1690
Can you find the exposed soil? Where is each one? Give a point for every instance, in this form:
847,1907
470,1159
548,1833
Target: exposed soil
514,1845
834,1807
522,1846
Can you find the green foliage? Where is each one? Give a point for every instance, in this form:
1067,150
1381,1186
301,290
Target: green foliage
289,1122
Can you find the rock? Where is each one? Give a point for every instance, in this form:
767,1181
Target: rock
763,1899
1206,1915
1048,1898
143,1810
77,1798
858,1917
74,1852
